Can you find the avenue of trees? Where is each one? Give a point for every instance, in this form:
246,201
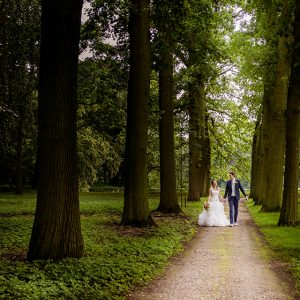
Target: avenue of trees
166,95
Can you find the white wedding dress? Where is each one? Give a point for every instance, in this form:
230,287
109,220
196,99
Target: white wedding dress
215,214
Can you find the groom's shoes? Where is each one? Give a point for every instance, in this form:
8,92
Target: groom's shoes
235,224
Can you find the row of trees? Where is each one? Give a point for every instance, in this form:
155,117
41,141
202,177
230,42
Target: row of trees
276,139
181,36
102,90
157,88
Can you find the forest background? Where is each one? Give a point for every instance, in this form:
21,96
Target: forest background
232,96
217,98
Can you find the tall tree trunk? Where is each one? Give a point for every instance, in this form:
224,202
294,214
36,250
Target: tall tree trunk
254,160
56,232
270,133
168,195
289,210
261,166
197,146
136,207
19,154
204,188
275,131
3,55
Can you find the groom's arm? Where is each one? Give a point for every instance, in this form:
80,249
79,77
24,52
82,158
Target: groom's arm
226,190
242,190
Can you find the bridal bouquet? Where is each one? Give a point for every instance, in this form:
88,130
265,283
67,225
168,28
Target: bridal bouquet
206,205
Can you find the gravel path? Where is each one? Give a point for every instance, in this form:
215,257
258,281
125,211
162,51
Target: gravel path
219,263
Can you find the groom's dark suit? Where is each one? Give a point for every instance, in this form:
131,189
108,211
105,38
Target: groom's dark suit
233,200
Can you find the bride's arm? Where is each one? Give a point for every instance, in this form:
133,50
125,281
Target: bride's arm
221,199
209,195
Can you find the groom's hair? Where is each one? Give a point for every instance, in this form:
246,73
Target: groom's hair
232,173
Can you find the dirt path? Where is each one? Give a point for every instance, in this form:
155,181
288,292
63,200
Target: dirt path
220,263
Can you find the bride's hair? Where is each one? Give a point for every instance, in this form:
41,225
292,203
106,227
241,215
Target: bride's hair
212,183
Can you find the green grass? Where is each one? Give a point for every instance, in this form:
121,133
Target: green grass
116,258
284,241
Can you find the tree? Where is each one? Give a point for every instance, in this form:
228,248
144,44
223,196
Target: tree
197,145
19,52
289,210
136,207
197,47
273,123
168,195
164,21
56,230
254,163
270,59
207,160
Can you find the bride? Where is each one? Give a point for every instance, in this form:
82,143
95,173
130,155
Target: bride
214,214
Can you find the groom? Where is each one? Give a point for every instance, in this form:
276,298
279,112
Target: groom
233,187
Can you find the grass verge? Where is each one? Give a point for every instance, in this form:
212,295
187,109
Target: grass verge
116,258
284,241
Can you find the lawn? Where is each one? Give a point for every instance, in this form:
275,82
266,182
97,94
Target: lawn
116,258
284,241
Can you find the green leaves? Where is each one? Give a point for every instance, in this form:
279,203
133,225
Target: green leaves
94,152
117,258
19,56
102,87
283,240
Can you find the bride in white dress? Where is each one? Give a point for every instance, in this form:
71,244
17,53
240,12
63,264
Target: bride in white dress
214,215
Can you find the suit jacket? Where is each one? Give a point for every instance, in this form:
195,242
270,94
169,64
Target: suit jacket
238,187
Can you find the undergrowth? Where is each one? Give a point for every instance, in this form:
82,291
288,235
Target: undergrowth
284,241
116,258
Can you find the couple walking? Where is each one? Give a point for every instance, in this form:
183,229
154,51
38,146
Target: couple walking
213,213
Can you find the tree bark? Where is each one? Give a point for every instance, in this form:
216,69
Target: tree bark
289,210
206,175
261,166
19,153
271,140
275,131
56,232
197,147
3,53
168,195
254,160
136,207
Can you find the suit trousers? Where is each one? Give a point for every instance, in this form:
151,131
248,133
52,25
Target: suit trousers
233,209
